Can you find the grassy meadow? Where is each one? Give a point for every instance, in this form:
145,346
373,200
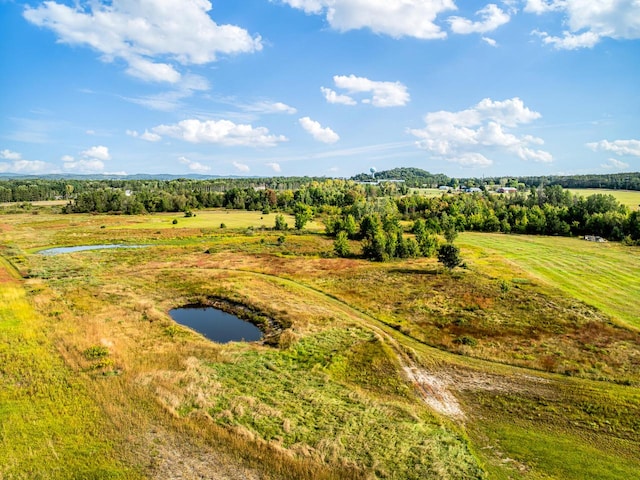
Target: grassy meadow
525,364
630,198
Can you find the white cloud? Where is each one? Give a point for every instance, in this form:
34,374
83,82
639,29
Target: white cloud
491,16
334,97
589,21
467,137
274,166
543,6
619,147
569,41
17,164
490,41
99,152
83,165
222,132
267,107
324,135
147,135
194,166
241,166
614,163
383,94
396,18
151,36
91,161
9,155
471,159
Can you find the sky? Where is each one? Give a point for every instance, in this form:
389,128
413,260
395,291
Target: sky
319,87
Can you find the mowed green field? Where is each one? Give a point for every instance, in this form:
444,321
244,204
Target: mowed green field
209,219
605,275
630,198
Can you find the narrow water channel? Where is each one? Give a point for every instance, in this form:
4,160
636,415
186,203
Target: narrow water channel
82,248
216,325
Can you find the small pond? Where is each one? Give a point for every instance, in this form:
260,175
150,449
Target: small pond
216,325
82,248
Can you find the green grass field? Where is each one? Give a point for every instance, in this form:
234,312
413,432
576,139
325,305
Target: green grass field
630,198
605,275
50,427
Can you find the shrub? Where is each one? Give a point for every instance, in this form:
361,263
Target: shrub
466,340
281,223
95,352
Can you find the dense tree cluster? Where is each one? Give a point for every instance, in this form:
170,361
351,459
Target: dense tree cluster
541,211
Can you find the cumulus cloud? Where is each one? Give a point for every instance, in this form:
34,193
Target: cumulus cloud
9,155
395,18
381,94
149,35
194,166
619,147
324,135
16,164
91,160
241,166
147,135
614,163
333,97
99,152
589,21
222,132
491,17
274,166
468,136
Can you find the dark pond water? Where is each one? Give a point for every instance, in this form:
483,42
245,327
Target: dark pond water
216,325
82,248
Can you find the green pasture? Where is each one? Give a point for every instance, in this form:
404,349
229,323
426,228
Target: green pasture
605,275
630,198
209,219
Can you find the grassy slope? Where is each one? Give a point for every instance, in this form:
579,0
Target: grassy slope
606,276
50,427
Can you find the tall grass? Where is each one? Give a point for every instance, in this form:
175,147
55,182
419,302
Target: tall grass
50,427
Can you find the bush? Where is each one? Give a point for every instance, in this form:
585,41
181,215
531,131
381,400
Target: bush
341,244
95,352
281,223
466,340
449,256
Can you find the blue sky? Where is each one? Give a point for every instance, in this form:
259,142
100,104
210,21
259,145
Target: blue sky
320,87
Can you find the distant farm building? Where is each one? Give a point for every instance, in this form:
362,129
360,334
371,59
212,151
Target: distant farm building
507,190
